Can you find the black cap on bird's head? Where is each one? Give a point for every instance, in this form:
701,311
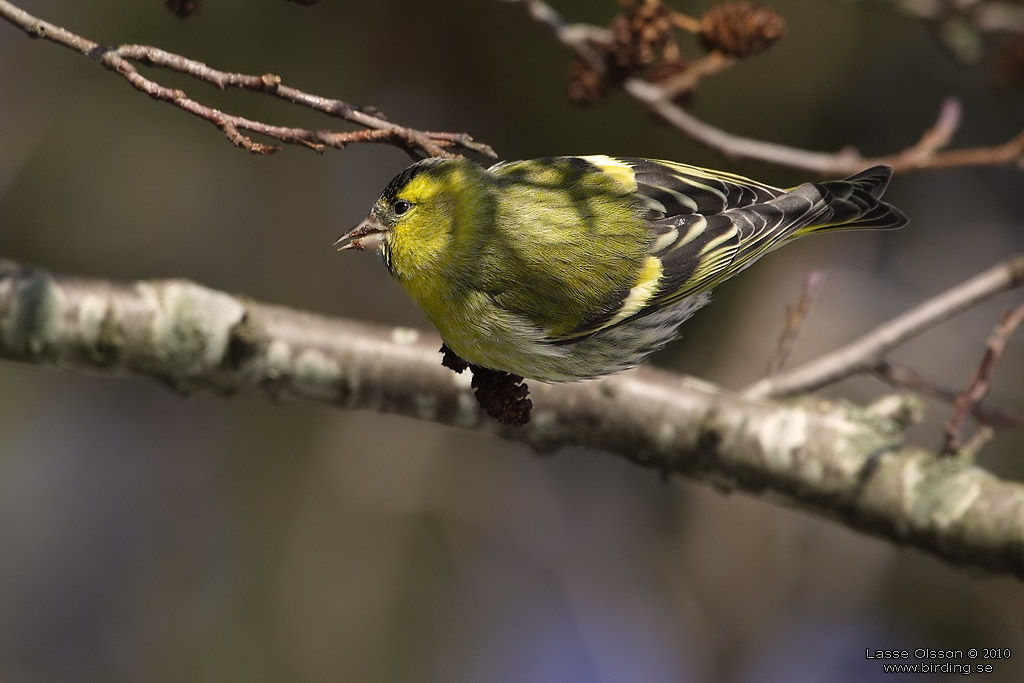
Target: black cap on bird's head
405,177
369,234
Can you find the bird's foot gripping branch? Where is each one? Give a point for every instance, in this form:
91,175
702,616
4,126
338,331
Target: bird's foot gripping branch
502,395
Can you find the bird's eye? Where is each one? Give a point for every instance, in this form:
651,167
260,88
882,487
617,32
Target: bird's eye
400,207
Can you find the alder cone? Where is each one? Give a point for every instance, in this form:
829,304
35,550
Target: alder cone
741,29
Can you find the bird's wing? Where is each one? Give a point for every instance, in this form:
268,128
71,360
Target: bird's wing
705,227
739,220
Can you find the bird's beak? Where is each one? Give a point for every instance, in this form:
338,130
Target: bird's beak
367,235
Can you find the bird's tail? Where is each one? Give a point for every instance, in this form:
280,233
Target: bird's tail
853,203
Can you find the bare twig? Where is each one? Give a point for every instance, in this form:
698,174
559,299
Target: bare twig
898,376
865,354
795,316
926,153
711,64
685,22
735,146
838,461
982,379
119,60
978,440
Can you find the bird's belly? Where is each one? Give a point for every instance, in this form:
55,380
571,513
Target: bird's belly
500,341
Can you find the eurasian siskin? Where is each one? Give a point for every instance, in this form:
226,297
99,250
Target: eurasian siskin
566,268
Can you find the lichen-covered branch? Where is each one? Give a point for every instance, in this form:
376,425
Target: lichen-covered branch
374,127
845,462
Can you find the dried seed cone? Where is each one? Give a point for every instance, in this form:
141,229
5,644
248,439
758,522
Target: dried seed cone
586,86
641,35
502,395
741,29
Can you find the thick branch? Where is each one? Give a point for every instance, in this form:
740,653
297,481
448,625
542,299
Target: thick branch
841,461
867,353
118,59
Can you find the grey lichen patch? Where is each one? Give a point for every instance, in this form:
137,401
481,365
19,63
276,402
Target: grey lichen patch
426,405
98,327
943,492
546,422
191,325
467,412
548,433
891,414
36,320
781,435
852,435
957,507
665,436
278,360
404,336
315,374
910,478
92,310
109,344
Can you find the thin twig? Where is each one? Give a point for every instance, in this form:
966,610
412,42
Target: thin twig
864,354
899,376
982,380
935,138
685,22
977,441
795,316
926,153
710,65
119,60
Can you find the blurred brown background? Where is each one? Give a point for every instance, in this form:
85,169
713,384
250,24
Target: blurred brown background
149,537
